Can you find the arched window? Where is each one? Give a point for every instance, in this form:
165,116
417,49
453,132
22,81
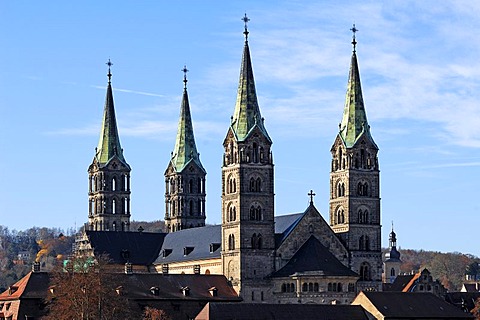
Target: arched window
364,243
365,272
190,207
231,242
256,213
114,182
190,186
199,185
284,287
330,287
340,216
305,287
392,272
363,216
255,152
252,185
339,287
315,287
292,287
340,158
258,185
256,241
114,206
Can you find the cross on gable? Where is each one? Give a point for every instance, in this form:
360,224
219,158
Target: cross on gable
311,194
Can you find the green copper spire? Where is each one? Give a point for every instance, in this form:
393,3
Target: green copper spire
109,143
247,113
185,148
354,121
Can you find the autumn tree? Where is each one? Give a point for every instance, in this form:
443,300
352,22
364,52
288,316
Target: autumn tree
476,311
81,289
155,314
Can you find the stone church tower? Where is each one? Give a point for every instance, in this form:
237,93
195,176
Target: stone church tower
109,176
185,176
355,186
247,192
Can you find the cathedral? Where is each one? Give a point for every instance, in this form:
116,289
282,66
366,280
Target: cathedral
294,258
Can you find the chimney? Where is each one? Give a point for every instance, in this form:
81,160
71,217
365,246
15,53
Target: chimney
36,266
128,268
196,269
165,268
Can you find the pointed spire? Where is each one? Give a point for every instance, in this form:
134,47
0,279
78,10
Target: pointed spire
247,112
185,149
109,143
354,121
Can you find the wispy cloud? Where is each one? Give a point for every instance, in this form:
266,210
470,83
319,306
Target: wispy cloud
143,93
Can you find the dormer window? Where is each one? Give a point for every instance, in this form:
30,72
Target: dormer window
213,291
166,252
155,291
125,254
187,250
186,291
12,290
214,247
119,290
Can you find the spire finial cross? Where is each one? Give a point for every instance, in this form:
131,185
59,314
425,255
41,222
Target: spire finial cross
245,19
109,74
354,41
311,194
185,70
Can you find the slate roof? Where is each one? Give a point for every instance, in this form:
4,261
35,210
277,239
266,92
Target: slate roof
197,238
314,257
262,311
284,225
138,248
413,305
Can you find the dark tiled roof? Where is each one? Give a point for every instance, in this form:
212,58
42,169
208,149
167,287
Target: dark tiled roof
400,282
197,238
413,305
251,311
314,257
462,300
139,248
138,286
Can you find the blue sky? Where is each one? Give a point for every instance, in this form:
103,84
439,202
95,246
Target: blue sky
418,64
